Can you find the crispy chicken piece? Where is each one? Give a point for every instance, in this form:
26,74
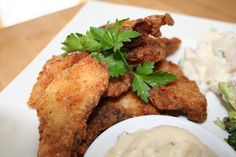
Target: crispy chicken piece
147,26
65,105
113,110
153,50
169,45
170,67
182,95
51,69
149,47
149,53
118,85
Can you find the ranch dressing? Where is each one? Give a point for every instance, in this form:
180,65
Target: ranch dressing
162,141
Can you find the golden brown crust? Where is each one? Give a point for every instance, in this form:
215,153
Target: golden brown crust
152,50
113,110
149,53
68,90
182,95
51,69
64,107
149,47
118,85
149,25
170,67
169,45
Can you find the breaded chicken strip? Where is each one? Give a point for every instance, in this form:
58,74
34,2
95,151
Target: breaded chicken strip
113,110
64,107
51,69
118,85
182,95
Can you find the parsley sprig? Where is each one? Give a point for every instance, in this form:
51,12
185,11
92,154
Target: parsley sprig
106,45
146,77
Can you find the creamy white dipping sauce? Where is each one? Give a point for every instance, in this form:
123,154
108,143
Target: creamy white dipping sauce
162,141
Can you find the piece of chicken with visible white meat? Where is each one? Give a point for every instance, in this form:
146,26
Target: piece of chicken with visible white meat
65,105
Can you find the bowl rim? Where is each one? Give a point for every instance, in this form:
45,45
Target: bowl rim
108,138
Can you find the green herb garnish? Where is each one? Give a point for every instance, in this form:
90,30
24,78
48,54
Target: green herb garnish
106,45
228,94
144,77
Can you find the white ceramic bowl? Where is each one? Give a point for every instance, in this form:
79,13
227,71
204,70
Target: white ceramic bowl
108,138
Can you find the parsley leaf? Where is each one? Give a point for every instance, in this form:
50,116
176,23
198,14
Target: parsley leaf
116,26
127,35
115,65
124,36
142,89
98,56
97,38
107,45
79,42
159,78
105,40
145,77
103,36
145,69
113,36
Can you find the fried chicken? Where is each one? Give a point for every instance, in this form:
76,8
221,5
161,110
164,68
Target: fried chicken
153,50
66,103
113,110
182,95
76,100
149,53
169,45
149,47
143,51
118,85
149,25
51,69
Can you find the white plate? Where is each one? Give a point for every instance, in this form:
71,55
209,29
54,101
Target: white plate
108,138
19,124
